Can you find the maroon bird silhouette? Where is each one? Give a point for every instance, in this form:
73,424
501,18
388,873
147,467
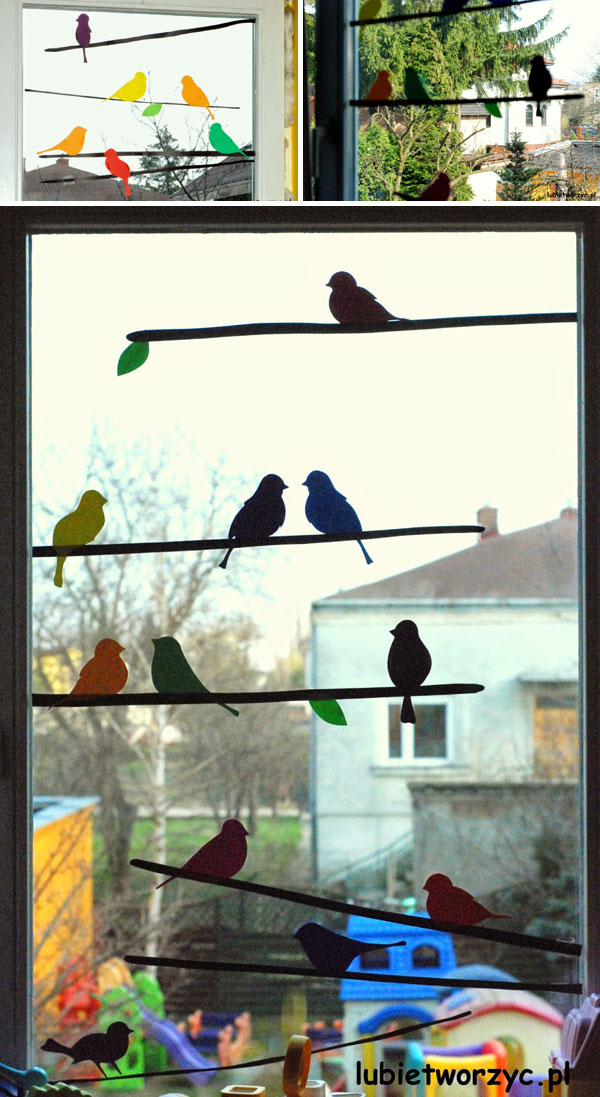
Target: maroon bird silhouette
97,1047
438,191
224,855
352,304
447,903
83,33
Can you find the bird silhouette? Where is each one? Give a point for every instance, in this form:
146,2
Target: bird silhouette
438,191
352,304
78,528
414,87
328,510
72,144
261,515
118,168
171,672
97,1047
83,33
104,673
223,856
132,90
450,7
222,142
447,903
332,953
409,663
381,88
369,9
194,95
540,81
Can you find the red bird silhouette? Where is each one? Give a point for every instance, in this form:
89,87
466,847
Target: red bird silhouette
438,191
224,855
119,168
447,903
352,304
104,673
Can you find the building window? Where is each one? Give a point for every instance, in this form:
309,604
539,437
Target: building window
555,732
424,741
426,956
545,114
488,120
529,115
377,960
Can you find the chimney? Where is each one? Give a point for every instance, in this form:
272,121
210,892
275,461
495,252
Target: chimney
488,517
569,512
579,132
63,161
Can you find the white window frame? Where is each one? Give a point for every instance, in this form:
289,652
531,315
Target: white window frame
268,81
408,735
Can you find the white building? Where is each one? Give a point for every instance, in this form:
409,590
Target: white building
485,132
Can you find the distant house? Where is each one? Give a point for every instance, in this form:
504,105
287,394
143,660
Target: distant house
502,613
220,182
494,133
61,182
569,162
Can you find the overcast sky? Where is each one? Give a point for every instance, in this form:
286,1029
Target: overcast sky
419,428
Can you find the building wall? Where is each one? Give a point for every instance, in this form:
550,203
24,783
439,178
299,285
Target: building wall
361,801
514,117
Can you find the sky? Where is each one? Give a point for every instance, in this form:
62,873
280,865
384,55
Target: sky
415,428
219,61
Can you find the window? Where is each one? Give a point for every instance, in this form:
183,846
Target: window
529,115
426,956
544,114
376,960
425,740
556,751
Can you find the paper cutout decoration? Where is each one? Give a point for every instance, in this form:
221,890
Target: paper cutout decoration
261,515
72,144
97,1047
296,1066
447,903
409,663
78,528
438,191
132,90
450,7
132,358
171,672
329,711
352,304
332,953
368,10
151,110
414,88
492,108
193,95
105,672
540,81
119,168
222,142
224,855
381,88
328,510
83,33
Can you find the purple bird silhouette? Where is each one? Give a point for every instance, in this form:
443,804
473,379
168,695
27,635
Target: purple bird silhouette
331,953
83,33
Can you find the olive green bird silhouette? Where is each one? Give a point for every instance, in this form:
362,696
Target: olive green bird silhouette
171,672
78,528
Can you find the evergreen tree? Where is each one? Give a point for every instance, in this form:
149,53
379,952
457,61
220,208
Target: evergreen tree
171,181
516,176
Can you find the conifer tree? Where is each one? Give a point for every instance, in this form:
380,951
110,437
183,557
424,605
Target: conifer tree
516,176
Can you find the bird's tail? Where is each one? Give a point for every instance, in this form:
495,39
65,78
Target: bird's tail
53,1045
393,943
407,714
167,881
539,111
223,563
51,149
211,113
365,553
60,563
127,188
233,711
84,56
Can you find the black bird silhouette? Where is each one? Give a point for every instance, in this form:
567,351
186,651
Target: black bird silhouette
332,953
328,510
540,81
261,515
352,304
449,7
97,1047
409,663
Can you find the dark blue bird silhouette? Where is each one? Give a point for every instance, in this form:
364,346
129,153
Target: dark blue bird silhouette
328,510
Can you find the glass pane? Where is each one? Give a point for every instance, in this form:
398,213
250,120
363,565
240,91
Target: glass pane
152,112
430,731
394,732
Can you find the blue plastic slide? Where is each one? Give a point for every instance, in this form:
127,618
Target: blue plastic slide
177,1045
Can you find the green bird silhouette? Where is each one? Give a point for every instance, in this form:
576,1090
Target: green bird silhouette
78,528
171,672
414,87
222,142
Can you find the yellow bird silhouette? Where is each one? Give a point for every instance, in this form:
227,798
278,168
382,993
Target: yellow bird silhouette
78,528
132,90
71,144
194,95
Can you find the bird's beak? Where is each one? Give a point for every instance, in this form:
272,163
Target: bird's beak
246,831
392,632
105,501
328,283
121,648
304,483
284,487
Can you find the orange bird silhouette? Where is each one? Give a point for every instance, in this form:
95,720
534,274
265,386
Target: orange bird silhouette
224,855
193,95
72,144
104,673
119,168
447,903
381,88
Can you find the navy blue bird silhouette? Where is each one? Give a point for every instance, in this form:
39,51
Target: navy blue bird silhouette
328,510
409,663
261,515
332,953
97,1047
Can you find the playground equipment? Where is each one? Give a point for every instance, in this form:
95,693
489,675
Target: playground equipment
487,1056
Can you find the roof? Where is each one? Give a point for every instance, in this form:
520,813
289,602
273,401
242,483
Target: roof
49,809
222,181
538,562
473,110
580,155
486,1000
61,182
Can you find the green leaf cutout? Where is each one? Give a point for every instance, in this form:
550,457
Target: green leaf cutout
151,110
493,108
329,711
133,357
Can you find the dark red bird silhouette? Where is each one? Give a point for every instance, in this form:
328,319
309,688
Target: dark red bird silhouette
381,88
97,1047
224,855
447,903
352,304
438,191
